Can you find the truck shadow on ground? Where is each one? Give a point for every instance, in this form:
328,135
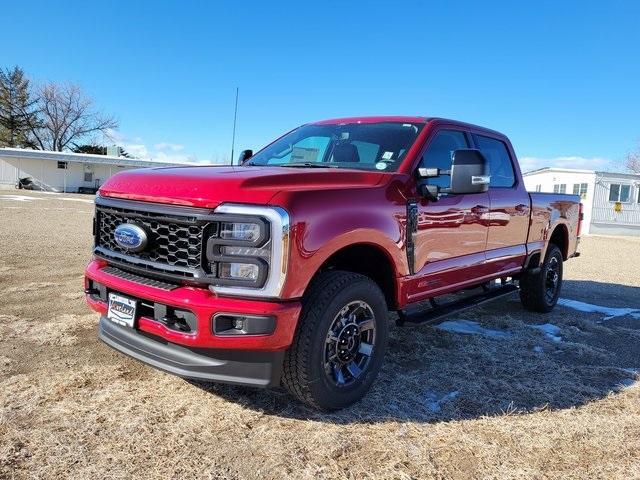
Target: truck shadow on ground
431,375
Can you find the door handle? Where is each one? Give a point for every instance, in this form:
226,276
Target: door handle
479,209
521,207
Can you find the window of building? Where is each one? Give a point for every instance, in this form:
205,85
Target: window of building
440,153
580,189
638,193
500,166
619,192
560,188
62,165
538,188
88,176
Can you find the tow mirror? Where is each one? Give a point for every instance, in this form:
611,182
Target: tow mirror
469,174
244,156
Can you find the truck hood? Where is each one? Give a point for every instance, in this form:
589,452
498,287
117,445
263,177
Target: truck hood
209,186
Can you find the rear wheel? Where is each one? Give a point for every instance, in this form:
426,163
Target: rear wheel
340,342
540,291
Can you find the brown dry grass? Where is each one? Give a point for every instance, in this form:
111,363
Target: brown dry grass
72,408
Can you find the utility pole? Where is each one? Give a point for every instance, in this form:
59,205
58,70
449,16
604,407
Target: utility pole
235,118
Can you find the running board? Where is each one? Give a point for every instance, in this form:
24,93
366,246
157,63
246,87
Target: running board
438,311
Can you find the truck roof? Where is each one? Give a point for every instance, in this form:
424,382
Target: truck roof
373,119
404,119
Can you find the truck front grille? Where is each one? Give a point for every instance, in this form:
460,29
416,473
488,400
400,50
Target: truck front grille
176,237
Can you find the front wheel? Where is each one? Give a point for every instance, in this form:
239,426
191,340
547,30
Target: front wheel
340,342
539,291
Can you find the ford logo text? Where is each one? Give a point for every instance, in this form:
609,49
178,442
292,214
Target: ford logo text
130,237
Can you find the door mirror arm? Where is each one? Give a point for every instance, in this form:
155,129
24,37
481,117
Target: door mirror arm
431,192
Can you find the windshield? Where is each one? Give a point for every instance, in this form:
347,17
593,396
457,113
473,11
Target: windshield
365,146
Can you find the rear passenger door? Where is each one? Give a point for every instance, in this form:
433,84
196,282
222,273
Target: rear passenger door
508,217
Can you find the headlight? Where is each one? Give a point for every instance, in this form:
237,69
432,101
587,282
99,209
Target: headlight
244,232
249,255
247,251
239,271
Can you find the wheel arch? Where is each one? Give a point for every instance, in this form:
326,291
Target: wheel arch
560,237
368,259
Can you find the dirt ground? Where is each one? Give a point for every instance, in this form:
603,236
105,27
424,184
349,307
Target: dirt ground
522,404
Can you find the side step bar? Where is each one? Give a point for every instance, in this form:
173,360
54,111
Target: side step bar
438,311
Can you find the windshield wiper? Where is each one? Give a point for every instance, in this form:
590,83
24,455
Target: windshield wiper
308,164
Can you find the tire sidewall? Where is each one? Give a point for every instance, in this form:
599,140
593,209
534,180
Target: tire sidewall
553,252
328,394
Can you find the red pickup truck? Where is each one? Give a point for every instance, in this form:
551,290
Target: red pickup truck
282,270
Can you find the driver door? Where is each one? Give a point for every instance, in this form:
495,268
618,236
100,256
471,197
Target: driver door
451,238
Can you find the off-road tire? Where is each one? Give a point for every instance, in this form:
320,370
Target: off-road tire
304,374
533,286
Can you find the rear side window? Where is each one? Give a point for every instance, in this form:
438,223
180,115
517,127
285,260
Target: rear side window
500,165
440,153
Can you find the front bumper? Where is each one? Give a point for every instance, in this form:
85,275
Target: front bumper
200,354
253,368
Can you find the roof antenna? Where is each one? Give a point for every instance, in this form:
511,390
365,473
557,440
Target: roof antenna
235,118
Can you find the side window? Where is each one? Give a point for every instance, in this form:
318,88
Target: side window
500,165
440,151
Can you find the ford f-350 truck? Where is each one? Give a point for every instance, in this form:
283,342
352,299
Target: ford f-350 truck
282,270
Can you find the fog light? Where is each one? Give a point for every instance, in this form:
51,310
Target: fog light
238,324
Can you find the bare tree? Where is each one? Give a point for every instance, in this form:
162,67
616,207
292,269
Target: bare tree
633,161
67,117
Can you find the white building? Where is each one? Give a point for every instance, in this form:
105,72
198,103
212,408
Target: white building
63,171
611,200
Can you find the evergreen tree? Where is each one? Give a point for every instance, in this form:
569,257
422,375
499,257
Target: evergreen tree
91,149
98,150
18,109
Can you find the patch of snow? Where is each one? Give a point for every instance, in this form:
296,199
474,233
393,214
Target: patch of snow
434,404
550,331
627,382
18,198
83,200
24,198
610,312
471,328
538,349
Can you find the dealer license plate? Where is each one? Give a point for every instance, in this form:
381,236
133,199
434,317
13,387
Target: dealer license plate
122,310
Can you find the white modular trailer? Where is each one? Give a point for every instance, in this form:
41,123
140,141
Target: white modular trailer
63,171
611,201
616,204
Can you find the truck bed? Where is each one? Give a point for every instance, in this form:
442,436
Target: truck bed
549,210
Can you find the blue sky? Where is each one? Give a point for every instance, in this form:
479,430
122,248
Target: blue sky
562,79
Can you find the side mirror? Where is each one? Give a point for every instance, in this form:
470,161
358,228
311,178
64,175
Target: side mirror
244,156
469,172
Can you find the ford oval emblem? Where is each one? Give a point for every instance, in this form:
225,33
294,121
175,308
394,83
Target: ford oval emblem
130,237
